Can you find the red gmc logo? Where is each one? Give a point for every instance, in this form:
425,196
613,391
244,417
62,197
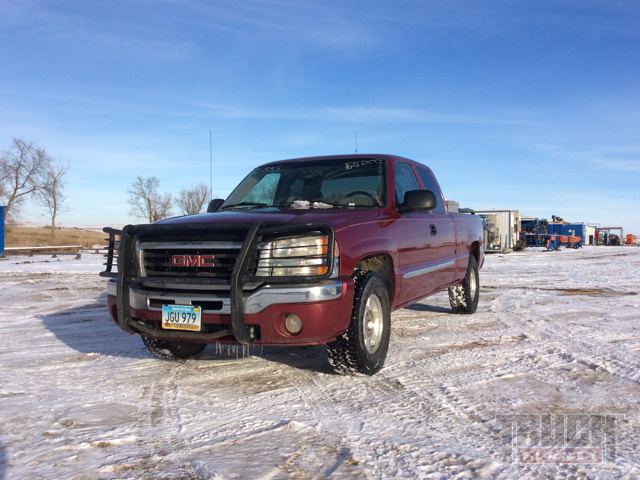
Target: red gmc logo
192,260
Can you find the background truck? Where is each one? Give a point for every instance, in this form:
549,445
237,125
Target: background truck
309,251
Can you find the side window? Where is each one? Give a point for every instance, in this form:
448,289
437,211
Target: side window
405,181
429,184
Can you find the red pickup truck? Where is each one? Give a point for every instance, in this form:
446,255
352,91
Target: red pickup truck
309,251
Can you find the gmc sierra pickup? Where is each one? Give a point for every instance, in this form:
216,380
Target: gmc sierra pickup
309,251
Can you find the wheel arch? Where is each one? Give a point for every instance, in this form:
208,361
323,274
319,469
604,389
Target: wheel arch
474,250
382,264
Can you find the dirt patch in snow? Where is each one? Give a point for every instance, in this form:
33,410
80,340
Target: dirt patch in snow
592,292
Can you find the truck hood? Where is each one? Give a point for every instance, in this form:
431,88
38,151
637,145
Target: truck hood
337,218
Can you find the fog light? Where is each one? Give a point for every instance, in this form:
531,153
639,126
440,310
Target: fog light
293,323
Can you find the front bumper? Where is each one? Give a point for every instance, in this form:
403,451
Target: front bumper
254,302
324,307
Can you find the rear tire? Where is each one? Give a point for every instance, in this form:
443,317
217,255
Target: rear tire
363,347
464,297
166,350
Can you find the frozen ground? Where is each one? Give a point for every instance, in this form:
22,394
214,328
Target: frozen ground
555,333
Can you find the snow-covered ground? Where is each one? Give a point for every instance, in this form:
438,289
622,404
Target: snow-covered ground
555,333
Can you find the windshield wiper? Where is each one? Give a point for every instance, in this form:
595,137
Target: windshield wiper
246,204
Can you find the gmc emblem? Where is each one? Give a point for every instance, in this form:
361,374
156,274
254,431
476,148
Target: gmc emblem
192,260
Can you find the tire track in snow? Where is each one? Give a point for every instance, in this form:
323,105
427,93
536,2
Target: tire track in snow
165,453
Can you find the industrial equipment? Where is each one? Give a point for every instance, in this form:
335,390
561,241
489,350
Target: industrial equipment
533,231
606,237
501,229
537,232
555,241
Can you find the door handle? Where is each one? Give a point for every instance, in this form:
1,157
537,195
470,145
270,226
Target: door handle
433,229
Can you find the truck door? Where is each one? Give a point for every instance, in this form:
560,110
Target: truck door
445,236
426,242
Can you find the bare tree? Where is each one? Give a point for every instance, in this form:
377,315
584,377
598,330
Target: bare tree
147,202
192,201
52,196
23,172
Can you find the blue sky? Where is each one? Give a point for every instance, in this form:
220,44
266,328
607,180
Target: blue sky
527,105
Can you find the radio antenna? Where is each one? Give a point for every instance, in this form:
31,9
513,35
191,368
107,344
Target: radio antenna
356,140
210,165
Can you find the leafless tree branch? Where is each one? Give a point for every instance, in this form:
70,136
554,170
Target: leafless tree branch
147,202
23,171
193,200
52,195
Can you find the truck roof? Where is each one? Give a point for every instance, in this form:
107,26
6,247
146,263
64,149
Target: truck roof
350,156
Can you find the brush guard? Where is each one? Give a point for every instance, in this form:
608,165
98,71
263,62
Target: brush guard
121,256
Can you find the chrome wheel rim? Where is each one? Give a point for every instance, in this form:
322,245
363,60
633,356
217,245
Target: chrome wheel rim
373,323
473,285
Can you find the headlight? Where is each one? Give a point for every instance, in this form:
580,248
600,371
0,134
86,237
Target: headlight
298,256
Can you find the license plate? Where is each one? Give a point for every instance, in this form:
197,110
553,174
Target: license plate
181,317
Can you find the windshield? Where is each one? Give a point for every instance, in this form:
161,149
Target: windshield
344,183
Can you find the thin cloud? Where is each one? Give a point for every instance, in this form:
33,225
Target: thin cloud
605,17
298,23
125,39
402,115
354,114
93,105
618,164
620,158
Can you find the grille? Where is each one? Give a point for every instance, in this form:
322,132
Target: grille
156,259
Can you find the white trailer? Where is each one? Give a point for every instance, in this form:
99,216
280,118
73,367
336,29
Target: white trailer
589,235
501,229
452,206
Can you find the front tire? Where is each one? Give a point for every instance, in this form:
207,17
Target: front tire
166,350
363,347
464,297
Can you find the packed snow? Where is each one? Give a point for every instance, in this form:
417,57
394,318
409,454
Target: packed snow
556,333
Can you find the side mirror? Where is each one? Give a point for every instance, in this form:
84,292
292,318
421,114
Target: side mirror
214,205
416,200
